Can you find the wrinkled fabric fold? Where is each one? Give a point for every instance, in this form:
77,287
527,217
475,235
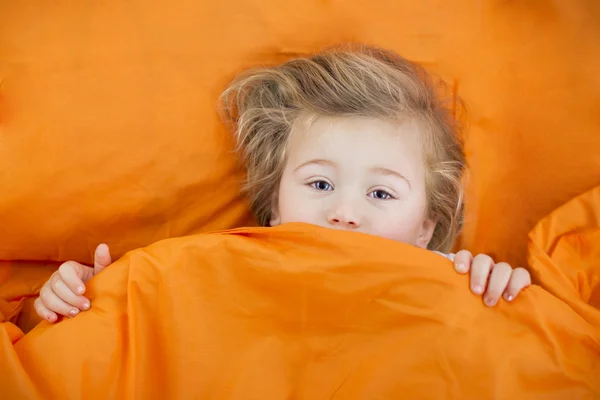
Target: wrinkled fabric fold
300,312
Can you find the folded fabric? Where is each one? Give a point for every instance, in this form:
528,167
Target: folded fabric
300,312
564,253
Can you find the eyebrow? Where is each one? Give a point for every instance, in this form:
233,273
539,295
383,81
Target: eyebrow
389,172
316,161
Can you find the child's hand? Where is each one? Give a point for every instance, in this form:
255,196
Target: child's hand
493,279
62,293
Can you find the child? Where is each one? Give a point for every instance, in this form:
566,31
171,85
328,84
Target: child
353,139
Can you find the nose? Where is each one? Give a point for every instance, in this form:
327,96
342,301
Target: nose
344,216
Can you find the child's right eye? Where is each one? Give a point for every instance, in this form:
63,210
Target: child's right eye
321,185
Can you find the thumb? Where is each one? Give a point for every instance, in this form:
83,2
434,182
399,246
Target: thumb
101,258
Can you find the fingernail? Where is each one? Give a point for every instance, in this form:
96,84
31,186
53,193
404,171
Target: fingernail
73,312
80,290
508,297
490,302
478,289
461,268
86,306
50,317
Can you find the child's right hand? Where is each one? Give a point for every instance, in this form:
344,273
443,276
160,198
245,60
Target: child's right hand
63,292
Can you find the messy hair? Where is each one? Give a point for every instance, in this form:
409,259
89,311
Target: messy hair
261,105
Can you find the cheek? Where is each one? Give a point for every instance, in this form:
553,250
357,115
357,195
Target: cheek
294,206
400,231
402,224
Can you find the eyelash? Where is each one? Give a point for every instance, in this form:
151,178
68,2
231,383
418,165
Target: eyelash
313,185
388,195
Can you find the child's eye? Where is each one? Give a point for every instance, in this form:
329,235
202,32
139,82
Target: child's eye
381,195
321,185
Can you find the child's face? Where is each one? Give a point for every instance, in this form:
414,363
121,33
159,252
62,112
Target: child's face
358,174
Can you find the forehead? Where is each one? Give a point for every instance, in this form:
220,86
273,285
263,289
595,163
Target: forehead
358,139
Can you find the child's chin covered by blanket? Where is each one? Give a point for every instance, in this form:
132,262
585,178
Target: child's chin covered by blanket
352,138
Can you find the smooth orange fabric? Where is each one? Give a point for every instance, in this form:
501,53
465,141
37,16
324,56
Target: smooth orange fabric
301,312
109,129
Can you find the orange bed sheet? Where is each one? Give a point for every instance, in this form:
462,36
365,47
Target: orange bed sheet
307,313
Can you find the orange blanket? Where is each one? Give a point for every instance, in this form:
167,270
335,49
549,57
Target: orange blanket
305,313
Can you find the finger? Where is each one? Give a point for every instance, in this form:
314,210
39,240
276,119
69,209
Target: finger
54,303
74,275
43,311
519,280
462,261
480,271
65,293
497,283
102,258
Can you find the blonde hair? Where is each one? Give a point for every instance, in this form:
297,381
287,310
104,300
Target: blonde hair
263,104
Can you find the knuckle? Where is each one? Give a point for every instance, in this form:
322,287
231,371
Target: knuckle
480,272
55,305
521,271
464,253
65,266
48,297
57,284
496,286
43,292
53,278
483,259
480,279
503,267
521,275
480,268
40,310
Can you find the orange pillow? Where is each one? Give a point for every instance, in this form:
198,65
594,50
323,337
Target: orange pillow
529,77
109,132
109,129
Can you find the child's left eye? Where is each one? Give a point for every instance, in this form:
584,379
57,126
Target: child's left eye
381,195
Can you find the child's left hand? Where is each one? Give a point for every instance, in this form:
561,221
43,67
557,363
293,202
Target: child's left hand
491,279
